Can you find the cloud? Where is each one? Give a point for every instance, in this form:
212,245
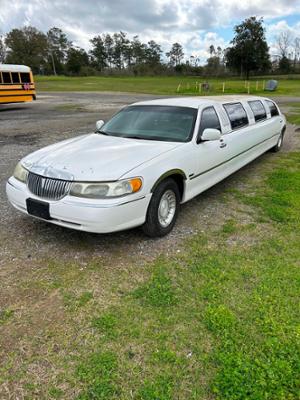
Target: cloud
283,26
191,22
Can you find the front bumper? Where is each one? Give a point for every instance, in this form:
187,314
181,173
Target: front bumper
99,216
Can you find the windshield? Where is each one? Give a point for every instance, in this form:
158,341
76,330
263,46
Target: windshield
167,123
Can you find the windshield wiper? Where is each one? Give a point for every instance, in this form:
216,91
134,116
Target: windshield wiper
140,137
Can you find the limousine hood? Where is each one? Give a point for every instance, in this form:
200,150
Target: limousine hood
94,157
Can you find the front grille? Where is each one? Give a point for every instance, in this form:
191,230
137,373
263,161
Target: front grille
47,188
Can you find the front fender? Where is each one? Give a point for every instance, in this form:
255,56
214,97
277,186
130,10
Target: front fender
166,175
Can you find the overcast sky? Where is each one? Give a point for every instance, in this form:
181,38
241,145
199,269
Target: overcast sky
194,23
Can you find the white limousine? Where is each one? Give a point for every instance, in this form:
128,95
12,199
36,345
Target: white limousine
150,157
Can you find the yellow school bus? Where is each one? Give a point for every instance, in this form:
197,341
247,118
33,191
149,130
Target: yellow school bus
16,84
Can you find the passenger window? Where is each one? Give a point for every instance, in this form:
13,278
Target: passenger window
258,109
209,119
6,77
273,109
25,77
15,77
236,114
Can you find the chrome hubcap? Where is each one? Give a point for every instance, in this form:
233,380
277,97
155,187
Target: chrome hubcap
167,208
280,141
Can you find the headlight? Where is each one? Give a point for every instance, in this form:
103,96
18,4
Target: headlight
103,190
20,173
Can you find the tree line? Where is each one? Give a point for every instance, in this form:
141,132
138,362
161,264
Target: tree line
53,53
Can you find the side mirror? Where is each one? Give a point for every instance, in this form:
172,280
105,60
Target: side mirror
211,134
99,125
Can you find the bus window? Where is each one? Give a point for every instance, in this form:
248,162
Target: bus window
15,77
6,77
25,77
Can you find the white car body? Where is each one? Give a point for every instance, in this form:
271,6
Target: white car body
98,158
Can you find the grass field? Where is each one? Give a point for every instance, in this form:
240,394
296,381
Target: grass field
163,85
293,116
218,320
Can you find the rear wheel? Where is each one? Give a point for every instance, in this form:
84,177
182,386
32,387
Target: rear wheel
163,209
278,146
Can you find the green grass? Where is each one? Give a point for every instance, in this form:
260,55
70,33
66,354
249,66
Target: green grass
158,291
216,321
161,388
105,324
97,373
230,227
279,200
73,301
293,115
5,315
163,85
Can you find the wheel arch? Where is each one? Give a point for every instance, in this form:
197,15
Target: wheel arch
179,177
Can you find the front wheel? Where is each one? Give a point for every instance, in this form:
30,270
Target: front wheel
163,209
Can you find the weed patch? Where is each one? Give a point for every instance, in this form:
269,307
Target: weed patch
105,324
161,388
73,301
97,373
5,315
158,291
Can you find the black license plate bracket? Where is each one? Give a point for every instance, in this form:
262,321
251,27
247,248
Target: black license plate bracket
38,208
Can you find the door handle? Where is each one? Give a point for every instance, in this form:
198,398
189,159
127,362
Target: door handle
223,145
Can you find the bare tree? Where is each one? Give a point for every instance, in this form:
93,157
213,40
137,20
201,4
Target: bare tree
296,46
2,50
283,42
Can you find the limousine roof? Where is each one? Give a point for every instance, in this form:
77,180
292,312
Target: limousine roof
197,101
14,68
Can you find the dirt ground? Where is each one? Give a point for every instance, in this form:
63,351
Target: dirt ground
57,116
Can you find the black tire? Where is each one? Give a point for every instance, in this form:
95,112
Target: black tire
152,226
278,146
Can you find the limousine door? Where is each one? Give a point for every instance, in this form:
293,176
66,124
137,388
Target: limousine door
211,156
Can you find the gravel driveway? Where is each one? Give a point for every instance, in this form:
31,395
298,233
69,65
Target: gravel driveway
57,116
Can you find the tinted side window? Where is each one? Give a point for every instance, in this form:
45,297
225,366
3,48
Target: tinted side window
258,110
25,77
273,108
209,119
6,77
236,114
15,77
